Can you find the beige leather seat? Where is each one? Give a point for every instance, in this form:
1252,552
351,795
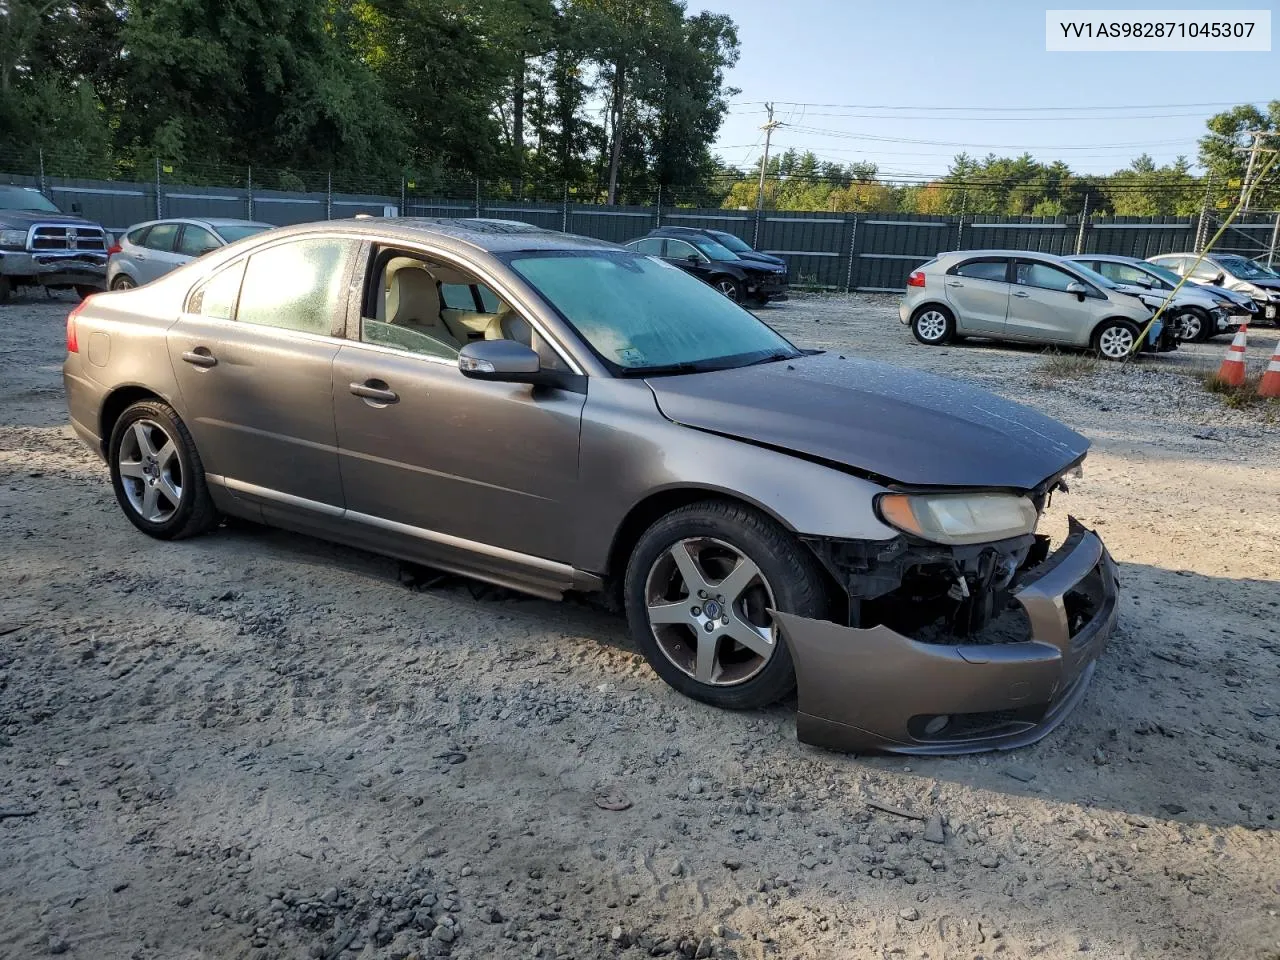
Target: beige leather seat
508,325
414,302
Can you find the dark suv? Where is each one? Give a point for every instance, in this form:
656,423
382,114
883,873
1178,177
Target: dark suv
739,279
40,246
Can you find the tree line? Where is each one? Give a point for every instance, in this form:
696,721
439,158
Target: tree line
618,94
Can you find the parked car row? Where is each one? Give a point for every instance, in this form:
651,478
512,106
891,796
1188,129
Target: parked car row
721,259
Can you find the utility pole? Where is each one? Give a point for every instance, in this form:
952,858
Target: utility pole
768,129
1254,149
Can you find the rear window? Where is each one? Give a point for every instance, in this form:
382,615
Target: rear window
161,237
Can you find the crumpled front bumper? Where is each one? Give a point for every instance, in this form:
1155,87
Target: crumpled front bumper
57,267
875,689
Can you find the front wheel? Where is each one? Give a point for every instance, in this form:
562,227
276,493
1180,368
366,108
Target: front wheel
699,587
1115,339
730,287
1191,325
157,473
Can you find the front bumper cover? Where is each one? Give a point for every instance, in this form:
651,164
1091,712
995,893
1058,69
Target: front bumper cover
876,689
56,268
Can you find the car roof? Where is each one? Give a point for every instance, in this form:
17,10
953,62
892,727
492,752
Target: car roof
1106,258
214,222
968,254
492,236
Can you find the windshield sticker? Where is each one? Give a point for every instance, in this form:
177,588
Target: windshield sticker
632,357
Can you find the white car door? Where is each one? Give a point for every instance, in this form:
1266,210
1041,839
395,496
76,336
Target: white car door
156,256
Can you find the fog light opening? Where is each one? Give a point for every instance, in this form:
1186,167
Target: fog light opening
936,725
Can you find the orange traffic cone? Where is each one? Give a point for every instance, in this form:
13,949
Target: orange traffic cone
1232,370
1269,385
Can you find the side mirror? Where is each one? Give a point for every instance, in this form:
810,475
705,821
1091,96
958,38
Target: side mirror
1145,282
1217,281
1078,288
693,258
76,208
504,361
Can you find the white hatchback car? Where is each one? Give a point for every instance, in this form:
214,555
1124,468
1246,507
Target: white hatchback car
150,250
1030,297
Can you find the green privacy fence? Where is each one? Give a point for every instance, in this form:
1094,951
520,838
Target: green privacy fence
833,251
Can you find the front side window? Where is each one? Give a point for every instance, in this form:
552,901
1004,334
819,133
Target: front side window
680,250
1031,274
984,269
161,237
216,297
297,286
1177,264
643,316
196,241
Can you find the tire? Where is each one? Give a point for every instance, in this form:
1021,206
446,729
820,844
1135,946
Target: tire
730,287
1111,336
84,292
710,533
123,281
933,325
6,289
145,478
1192,325
759,299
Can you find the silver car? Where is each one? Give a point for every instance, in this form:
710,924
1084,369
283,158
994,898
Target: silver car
1196,313
1028,297
553,413
150,250
1231,271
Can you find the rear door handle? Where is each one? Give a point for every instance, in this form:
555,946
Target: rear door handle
954,283
200,357
376,391
1021,294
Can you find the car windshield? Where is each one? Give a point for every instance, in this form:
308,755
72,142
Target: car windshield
21,198
1242,267
730,242
1164,273
642,316
1093,277
712,249
233,232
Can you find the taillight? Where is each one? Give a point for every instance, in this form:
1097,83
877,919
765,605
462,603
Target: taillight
114,249
73,342
916,279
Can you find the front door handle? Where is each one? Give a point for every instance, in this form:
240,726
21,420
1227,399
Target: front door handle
375,390
1021,294
200,357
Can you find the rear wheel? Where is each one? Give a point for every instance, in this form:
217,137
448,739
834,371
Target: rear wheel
1114,339
123,282
699,587
157,473
6,289
933,325
84,292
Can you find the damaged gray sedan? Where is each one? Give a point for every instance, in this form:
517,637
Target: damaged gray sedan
557,414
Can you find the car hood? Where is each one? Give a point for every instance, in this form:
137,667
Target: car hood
1235,296
873,418
23,219
755,256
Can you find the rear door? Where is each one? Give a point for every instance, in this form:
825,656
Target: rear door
156,256
254,356
1041,309
978,289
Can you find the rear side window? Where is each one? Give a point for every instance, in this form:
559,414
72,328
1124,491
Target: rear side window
983,269
137,237
458,296
649,246
297,286
161,237
216,297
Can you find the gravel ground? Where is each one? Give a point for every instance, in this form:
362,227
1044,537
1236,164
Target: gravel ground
254,744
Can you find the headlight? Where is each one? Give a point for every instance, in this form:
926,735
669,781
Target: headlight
959,518
13,239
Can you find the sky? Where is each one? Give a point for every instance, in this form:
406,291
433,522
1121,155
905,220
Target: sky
970,57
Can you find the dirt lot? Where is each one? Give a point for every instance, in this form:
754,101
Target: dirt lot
254,744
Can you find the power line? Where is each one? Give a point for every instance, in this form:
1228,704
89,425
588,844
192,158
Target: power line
1090,106
846,135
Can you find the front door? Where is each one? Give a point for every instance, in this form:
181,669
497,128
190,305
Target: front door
433,455
254,356
1041,309
979,291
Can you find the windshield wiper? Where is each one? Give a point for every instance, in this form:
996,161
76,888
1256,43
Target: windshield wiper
772,358
665,369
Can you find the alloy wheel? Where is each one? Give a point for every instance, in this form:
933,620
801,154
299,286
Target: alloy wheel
729,289
931,325
1116,342
1187,326
150,471
708,607
123,282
